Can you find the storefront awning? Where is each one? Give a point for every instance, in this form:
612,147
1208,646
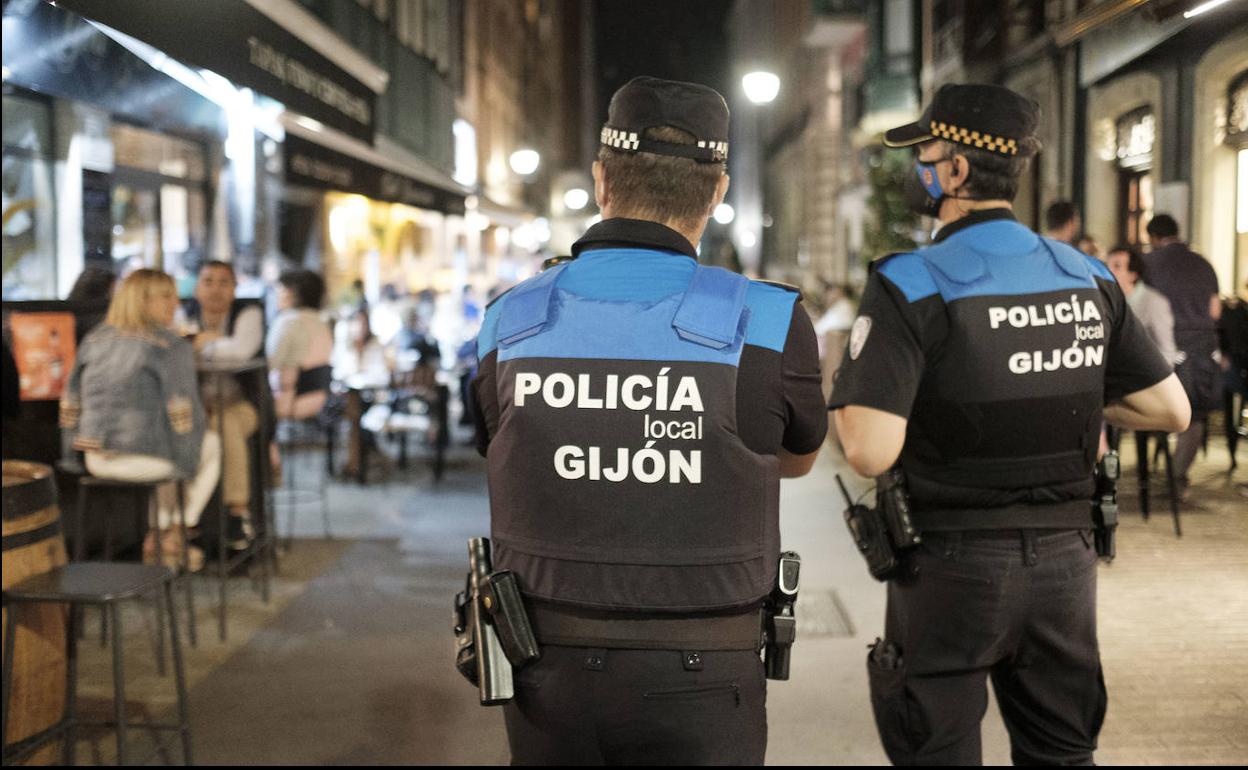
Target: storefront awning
241,40
317,156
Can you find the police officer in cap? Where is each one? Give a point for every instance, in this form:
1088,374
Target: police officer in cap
983,366
639,412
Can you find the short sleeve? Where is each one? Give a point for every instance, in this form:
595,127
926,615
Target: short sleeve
1134,362
806,415
883,365
287,344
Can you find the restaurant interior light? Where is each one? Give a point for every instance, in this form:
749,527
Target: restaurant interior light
761,87
525,162
575,199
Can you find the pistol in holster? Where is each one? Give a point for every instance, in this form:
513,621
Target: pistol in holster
1105,505
886,533
492,630
780,628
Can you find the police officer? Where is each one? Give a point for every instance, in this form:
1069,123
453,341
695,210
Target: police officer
639,411
983,365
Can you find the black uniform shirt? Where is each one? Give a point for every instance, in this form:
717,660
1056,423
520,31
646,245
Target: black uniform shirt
780,402
986,342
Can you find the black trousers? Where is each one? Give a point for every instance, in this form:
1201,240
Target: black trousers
581,706
1016,607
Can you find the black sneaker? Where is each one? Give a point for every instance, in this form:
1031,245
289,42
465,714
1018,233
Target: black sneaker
238,532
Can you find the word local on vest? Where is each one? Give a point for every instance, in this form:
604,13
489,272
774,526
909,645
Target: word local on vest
1083,314
635,392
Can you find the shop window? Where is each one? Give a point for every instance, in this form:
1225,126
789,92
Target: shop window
29,212
159,202
1137,206
1135,133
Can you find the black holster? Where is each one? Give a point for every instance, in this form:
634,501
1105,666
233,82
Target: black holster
1105,505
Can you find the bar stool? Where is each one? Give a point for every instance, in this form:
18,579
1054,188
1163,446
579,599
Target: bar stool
143,493
295,435
1143,463
107,585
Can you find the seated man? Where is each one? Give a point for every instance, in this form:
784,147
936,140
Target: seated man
229,330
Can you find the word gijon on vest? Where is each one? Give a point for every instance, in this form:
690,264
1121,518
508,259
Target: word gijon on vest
647,465
1022,316
634,391
1074,357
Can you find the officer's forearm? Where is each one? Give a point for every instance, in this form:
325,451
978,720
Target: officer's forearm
793,466
1163,406
872,438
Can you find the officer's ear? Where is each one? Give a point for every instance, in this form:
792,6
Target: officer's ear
959,171
721,189
600,185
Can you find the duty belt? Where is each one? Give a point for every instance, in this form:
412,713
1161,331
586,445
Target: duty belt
587,628
1072,514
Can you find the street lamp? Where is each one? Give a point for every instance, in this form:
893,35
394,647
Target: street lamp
761,87
525,162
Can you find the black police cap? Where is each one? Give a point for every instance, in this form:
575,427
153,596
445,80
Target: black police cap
646,102
988,117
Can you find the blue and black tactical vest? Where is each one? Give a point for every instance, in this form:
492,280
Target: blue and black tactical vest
617,478
1017,335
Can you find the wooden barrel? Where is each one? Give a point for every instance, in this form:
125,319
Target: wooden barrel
33,543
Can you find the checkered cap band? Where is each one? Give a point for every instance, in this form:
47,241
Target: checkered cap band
974,138
719,150
621,140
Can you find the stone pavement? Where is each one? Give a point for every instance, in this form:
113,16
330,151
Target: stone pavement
356,668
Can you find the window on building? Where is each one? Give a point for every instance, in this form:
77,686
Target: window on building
28,201
159,201
1135,134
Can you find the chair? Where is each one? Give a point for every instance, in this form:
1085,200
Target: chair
143,493
107,585
294,435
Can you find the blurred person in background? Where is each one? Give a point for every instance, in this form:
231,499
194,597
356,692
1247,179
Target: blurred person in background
358,354
299,341
94,284
1062,222
1088,245
1233,336
132,406
1189,282
228,330
1150,305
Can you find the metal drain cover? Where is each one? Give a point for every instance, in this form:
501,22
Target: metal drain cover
821,613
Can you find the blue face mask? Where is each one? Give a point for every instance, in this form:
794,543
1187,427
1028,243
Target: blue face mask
922,189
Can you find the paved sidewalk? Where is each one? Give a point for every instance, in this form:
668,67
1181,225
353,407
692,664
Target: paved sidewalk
356,668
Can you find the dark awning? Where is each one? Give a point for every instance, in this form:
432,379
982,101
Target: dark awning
316,165
235,40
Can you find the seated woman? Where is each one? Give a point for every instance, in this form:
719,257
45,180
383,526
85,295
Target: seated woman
299,344
132,406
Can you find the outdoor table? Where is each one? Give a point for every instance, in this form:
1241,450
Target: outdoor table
264,541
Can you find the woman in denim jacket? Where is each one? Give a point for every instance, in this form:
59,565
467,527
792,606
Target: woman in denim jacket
132,407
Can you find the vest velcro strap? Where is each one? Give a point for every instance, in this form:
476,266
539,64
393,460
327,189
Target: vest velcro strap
527,307
1073,514
710,312
574,628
